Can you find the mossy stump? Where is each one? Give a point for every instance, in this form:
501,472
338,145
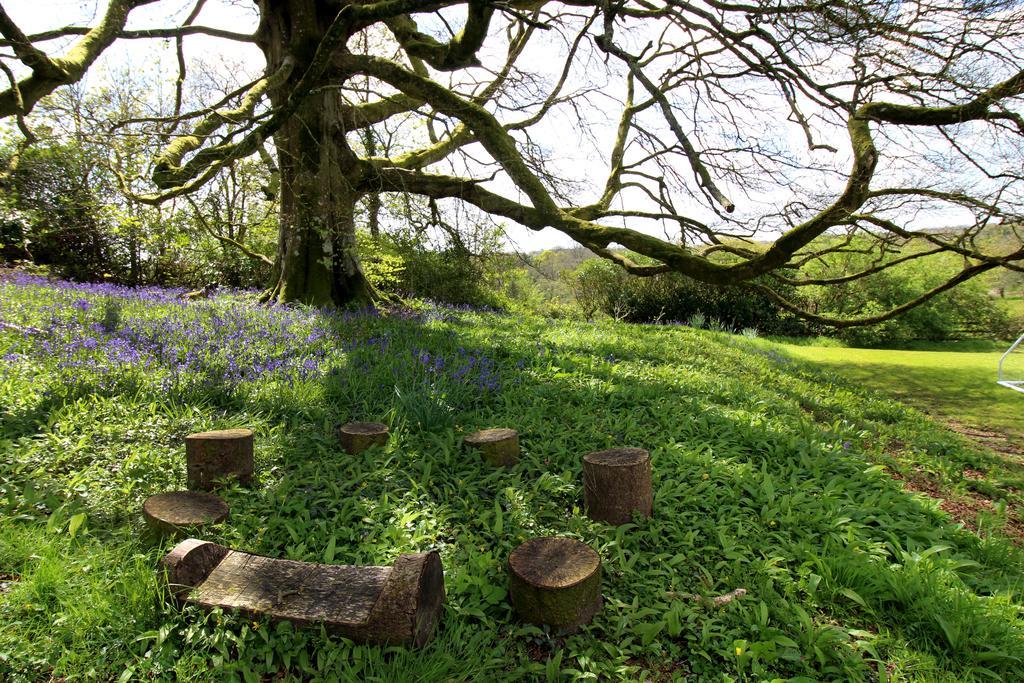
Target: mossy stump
391,605
499,447
212,458
169,514
356,437
555,581
617,484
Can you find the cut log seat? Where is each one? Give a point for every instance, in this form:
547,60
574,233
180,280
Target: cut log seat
396,605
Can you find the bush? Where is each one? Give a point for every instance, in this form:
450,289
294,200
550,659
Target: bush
966,311
52,212
602,285
405,266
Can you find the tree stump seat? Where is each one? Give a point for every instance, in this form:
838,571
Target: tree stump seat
499,447
617,485
396,605
171,513
356,437
555,581
215,457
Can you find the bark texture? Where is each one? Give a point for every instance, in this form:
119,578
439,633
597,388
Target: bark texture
617,485
396,605
212,458
555,581
356,437
499,447
169,514
317,260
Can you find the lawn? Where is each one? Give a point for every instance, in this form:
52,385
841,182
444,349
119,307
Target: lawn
1013,305
769,476
953,385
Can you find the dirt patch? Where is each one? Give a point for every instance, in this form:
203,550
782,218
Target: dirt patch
962,508
660,671
1004,444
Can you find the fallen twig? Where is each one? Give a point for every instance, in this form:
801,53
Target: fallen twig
709,601
11,327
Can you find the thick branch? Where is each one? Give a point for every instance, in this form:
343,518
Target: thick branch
459,52
977,109
168,170
73,65
29,54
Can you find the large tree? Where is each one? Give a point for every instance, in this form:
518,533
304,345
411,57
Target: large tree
755,135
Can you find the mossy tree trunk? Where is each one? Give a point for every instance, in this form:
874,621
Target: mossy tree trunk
317,260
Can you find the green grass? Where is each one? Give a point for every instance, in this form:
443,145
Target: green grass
951,384
769,475
1013,305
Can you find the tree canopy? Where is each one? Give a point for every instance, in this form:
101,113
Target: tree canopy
735,142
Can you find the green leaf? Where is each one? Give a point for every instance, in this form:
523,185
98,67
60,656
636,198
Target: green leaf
76,523
934,550
952,634
329,550
648,632
498,522
786,642
850,593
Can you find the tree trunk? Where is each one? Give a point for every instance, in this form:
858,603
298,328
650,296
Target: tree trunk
317,258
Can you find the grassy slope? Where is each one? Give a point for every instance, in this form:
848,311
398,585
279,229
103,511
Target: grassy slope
766,477
953,385
1013,306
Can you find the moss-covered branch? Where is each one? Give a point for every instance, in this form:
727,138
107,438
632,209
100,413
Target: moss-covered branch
199,171
459,52
168,168
29,54
69,68
979,108
365,115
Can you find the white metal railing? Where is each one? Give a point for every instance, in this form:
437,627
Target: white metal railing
1015,384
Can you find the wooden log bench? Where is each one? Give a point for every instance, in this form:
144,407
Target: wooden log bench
396,605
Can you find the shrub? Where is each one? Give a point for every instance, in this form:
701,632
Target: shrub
404,265
965,311
602,285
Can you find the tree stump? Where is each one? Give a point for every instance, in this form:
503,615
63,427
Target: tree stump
499,447
396,605
555,581
617,483
213,457
169,514
356,437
